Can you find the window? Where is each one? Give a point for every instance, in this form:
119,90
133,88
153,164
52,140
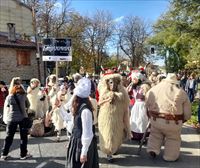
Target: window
23,58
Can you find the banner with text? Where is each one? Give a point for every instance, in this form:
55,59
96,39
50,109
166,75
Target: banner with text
57,49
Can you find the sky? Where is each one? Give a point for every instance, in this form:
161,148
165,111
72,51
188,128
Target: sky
149,10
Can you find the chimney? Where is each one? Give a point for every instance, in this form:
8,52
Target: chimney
11,32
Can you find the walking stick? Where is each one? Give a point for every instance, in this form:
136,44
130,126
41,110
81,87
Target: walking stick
143,138
83,164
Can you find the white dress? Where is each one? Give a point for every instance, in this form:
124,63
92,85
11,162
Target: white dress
57,119
138,118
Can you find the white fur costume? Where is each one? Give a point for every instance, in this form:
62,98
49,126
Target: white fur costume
36,105
113,119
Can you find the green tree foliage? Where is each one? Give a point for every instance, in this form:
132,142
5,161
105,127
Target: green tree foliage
178,31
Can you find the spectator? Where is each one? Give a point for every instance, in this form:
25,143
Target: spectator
15,117
191,87
3,94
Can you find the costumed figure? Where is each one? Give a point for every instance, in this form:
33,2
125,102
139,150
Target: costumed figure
66,110
52,89
76,78
94,105
56,113
113,119
37,98
168,107
138,116
153,78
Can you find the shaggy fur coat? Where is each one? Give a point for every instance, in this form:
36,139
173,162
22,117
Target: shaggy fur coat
36,105
113,119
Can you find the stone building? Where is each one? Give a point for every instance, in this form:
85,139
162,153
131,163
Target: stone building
18,59
17,52
14,11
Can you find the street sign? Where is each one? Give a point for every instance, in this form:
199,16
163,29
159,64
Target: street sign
57,49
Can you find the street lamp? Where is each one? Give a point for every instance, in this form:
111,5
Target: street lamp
36,41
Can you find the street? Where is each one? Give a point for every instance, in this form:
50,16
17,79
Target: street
47,153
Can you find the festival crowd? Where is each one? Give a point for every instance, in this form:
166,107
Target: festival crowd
117,105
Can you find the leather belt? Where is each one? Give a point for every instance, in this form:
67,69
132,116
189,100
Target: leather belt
166,116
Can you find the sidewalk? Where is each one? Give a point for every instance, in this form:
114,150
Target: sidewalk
49,154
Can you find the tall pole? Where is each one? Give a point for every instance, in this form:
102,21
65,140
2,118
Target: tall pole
166,59
118,54
36,41
57,73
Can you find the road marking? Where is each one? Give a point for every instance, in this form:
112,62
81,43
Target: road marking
41,165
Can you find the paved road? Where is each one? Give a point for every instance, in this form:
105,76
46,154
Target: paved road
49,154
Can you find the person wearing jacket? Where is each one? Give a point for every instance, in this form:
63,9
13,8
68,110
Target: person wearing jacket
14,118
168,108
191,87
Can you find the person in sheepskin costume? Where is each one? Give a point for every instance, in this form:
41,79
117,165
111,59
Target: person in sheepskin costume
37,98
56,114
113,119
52,89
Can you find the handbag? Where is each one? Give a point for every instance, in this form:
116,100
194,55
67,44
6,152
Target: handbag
6,111
26,122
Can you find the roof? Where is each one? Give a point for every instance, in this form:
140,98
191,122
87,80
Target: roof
18,44
23,4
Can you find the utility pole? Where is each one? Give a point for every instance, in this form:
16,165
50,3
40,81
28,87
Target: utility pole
36,41
118,54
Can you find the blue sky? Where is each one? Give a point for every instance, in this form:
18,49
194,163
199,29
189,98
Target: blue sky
147,9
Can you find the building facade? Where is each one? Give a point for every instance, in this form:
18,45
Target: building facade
17,52
19,59
14,11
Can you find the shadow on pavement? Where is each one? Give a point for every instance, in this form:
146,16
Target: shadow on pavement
191,144
187,129
47,162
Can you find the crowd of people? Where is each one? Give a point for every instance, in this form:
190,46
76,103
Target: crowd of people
121,105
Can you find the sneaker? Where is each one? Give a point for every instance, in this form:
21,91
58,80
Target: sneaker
3,157
26,157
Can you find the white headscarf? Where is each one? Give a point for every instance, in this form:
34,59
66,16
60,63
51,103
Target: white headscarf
82,90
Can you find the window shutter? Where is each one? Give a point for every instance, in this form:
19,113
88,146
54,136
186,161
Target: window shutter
23,58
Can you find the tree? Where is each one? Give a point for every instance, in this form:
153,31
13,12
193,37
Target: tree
96,36
132,36
178,31
50,17
75,29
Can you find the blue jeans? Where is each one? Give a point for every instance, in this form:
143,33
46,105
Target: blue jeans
10,131
199,113
191,94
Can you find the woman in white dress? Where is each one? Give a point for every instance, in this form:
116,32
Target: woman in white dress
138,117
